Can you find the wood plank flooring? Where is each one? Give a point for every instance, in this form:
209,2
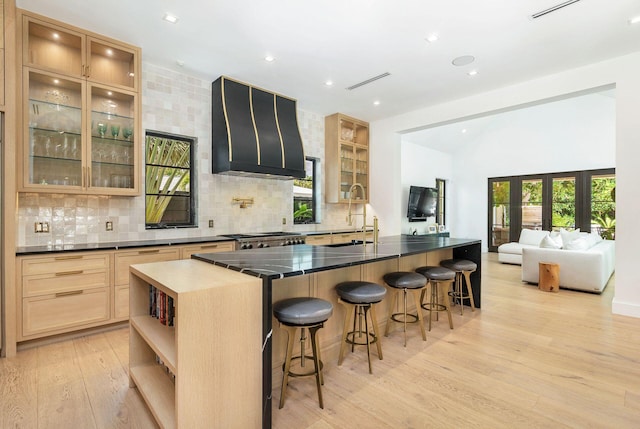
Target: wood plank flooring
528,359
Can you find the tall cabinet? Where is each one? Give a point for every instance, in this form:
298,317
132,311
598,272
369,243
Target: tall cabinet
347,154
80,111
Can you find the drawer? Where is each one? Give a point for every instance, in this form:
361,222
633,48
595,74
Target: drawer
59,312
121,302
318,239
64,281
64,263
143,256
225,246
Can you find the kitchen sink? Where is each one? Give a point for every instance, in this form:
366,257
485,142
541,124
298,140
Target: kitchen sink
349,243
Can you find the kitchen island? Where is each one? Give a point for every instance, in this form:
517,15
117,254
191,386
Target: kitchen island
305,270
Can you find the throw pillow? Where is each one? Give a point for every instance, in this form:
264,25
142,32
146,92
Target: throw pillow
555,236
577,244
549,243
568,237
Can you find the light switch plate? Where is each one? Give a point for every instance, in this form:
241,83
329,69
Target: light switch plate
284,220
210,223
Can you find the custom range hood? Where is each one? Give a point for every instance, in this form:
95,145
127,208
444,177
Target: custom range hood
254,132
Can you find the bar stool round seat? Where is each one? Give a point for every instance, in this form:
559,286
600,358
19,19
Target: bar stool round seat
358,297
436,277
304,313
463,269
405,282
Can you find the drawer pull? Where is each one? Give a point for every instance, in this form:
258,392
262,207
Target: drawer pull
73,292
210,246
69,273
66,258
143,252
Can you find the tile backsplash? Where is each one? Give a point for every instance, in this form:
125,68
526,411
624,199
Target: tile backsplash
179,104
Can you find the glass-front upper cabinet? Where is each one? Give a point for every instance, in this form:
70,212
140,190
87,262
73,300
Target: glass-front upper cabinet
80,111
112,149
54,134
347,151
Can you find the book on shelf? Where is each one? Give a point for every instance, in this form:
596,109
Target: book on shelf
161,306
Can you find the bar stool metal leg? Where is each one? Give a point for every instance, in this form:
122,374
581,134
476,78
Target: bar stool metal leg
316,361
291,332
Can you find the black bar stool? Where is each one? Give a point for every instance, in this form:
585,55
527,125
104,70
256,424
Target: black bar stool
438,301
309,313
463,268
403,282
358,298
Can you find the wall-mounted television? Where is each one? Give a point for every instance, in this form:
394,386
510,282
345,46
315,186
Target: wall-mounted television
422,203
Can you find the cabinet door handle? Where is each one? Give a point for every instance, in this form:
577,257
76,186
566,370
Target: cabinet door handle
88,71
66,258
72,292
143,252
69,273
88,177
82,74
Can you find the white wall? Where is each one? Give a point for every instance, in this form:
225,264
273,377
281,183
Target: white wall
623,72
568,135
420,167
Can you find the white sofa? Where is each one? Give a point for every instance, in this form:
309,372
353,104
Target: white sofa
586,269
511,253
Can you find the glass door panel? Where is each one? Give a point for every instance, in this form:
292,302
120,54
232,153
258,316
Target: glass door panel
563,203
54,131
362,169
112,148
346,170
603,205
532,199
111,65
53,48
500,212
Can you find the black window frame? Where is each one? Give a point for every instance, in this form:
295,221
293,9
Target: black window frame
314,199
441,213
191,195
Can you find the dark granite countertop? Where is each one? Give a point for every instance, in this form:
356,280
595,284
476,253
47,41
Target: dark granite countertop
277,262
115,245
333,231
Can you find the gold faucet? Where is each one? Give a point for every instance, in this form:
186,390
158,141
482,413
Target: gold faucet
364,216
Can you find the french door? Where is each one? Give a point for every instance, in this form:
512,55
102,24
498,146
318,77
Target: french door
579,199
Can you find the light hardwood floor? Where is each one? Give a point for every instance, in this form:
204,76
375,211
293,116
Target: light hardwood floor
527,359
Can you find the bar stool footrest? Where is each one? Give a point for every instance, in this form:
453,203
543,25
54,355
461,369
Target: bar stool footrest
304,374
412,318
352,340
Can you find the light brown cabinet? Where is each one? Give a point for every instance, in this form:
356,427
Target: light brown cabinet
318,240
80,111
183,371
2,53
347,156
62,293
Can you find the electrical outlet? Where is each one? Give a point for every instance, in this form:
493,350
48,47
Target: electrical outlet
37,227
45,226
210,223
109,225
284,220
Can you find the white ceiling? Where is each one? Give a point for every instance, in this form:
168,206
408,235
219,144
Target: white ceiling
348,41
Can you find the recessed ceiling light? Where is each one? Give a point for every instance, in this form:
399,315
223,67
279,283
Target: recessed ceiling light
472,72
463,60
329,83
56,81
170,18
634,20
180,63
463,131
269,58
376,103
433,37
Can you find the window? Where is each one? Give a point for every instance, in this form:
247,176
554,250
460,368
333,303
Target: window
304,195
170,196
440,209
577,199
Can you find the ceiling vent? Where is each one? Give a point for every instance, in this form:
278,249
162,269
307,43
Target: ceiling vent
553,8
368,81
